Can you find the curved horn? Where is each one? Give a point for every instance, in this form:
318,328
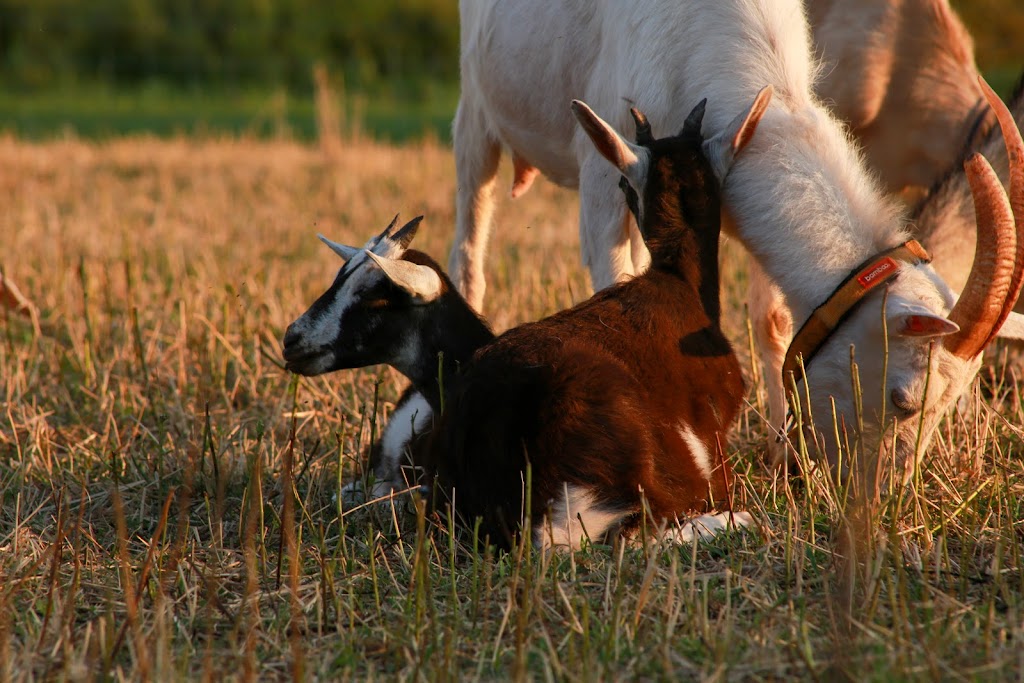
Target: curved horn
981,302
1015,159
643,127
341,250
696,117
408,231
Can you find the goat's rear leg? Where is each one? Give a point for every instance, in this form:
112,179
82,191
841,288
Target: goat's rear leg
773,331
476,165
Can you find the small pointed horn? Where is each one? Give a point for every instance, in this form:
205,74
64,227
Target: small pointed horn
981,302
341,250
408,231
1015,159
696,117
422,282
644,136
387,230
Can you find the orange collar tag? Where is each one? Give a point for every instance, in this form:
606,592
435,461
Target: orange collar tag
880,269
877,272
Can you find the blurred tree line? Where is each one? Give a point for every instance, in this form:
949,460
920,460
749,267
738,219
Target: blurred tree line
227,42
276,42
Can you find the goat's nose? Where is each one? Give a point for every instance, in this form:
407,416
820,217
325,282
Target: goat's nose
291,337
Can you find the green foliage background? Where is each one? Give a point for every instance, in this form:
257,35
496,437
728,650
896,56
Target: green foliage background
106,67
227,42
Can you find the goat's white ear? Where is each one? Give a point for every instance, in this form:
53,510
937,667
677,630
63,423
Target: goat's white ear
632,160
341,250
723,149
421,282
1013,327
917,321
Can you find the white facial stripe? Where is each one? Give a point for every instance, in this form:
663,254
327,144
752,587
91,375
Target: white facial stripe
563,527
700,452
323,327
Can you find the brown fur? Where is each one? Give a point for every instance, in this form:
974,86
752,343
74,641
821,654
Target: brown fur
902,74
595,396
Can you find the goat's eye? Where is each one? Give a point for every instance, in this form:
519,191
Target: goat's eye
905,402
375,303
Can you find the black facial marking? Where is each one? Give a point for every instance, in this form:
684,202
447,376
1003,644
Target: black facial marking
632,200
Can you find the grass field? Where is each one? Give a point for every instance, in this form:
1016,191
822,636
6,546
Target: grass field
168,505
100,112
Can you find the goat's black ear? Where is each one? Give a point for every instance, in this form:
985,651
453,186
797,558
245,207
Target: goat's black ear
643,127
408,231
692,124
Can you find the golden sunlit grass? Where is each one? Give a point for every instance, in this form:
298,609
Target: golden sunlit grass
168,500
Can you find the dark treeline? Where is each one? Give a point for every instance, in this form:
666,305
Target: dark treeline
227,42
400,43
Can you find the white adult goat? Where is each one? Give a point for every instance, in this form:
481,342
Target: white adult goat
800,199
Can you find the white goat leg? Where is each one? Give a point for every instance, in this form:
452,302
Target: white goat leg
773,330
476,163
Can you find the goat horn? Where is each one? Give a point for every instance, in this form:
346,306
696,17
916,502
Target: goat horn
387,231
408,231
341,250
1015,160
987,287
644,136
996,277
695,118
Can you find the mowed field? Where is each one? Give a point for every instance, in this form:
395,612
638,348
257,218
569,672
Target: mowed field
168,491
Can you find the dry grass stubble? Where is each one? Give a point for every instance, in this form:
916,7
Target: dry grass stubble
167,504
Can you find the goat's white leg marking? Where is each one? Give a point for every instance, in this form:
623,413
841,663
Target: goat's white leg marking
476,166
700,452
563,526
773,330
409,419
706,527
354,493
604,230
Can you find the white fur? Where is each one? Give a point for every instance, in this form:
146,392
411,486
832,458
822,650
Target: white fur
697,448
799,198
354,493
708,526
563,526
412,418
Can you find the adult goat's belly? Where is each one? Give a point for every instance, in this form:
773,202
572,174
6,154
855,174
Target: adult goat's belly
541,135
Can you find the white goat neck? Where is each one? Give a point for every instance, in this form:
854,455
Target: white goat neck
800,175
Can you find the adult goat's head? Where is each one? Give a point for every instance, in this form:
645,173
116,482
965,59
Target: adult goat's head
364,317
933,342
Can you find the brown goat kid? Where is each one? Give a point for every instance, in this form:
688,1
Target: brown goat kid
623,399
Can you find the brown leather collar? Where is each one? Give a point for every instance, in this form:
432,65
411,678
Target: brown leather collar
863,279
